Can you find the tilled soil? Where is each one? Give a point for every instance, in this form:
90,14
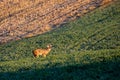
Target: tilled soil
26,18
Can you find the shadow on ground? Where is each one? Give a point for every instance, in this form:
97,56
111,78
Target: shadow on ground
94,71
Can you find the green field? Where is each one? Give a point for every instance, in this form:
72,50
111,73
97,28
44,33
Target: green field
85,49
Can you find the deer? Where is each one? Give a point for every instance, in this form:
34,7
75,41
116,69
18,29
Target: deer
42,52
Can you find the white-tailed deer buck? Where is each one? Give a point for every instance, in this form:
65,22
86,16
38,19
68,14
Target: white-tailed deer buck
42,52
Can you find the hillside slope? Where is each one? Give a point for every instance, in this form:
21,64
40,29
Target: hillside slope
85,49
96,30
27,18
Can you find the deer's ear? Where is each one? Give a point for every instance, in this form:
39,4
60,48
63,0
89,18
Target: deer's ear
49,46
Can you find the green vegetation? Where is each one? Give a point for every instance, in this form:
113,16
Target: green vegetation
86,65
87,49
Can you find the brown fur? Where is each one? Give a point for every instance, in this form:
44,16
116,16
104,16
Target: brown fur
42,52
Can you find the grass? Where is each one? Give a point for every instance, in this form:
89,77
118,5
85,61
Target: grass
85,49
87,65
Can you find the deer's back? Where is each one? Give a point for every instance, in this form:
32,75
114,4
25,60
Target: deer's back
40,51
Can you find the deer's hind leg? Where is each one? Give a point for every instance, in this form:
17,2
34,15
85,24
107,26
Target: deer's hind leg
44,55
